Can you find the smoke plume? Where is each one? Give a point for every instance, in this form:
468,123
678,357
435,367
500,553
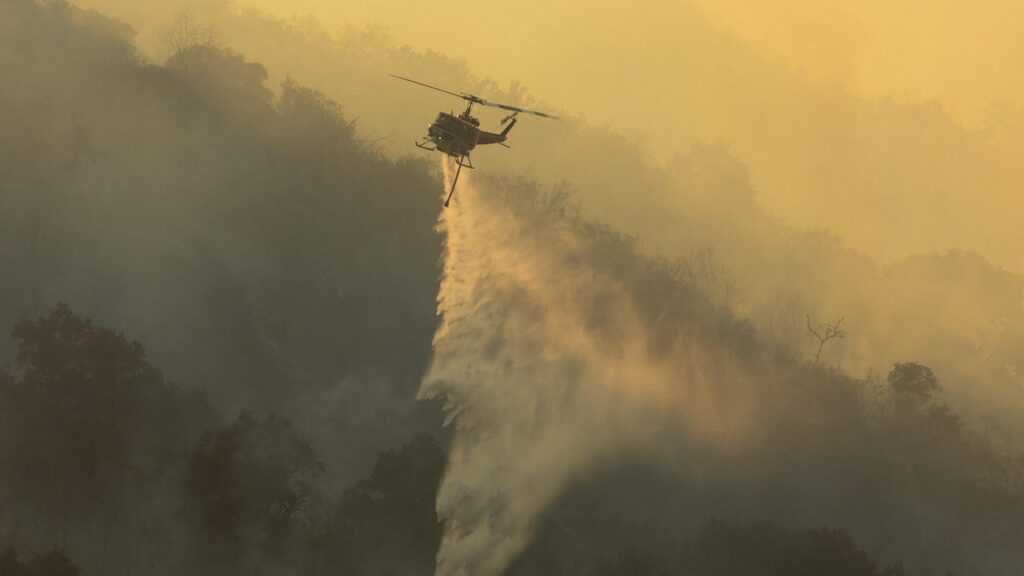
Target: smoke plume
548,366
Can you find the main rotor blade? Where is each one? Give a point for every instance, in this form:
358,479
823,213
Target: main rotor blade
456,94
478,100
518,109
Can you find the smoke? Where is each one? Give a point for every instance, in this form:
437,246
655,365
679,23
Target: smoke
548,368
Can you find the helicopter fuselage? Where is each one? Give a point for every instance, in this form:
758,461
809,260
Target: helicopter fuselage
458,135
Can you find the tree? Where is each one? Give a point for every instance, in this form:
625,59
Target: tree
251,481
912,386
825,334
81,405
52,563
225,79
387,523
184,33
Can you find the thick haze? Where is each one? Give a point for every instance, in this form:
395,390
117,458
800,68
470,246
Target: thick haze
566,360
728,148
605,358
929,147
895,124
548,367
959,54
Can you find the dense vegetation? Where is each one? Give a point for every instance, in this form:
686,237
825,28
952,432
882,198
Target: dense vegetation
53,563
103,457
253,242
884,458
282,273
911,179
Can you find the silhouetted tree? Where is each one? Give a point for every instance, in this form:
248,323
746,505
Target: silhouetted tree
252,481
185,33
913,386
233,85
387,523
84,410
53,563
825,334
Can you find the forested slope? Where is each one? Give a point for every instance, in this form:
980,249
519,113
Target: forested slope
281,274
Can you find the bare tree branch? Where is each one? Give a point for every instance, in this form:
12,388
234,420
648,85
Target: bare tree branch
825,333
184,33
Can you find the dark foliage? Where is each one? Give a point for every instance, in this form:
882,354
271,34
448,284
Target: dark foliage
629,563
86,416
913,386
386,524
763,550
283,246
53,563
254,479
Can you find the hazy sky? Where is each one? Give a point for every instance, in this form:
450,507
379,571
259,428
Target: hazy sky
868,118
962,54
841,108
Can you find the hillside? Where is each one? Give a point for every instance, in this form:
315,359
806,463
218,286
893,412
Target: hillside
225,299
254,242
803,200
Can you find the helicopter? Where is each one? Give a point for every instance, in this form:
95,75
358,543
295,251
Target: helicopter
457,136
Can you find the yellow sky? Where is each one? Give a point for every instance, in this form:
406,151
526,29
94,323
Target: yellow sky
963,54
770,80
